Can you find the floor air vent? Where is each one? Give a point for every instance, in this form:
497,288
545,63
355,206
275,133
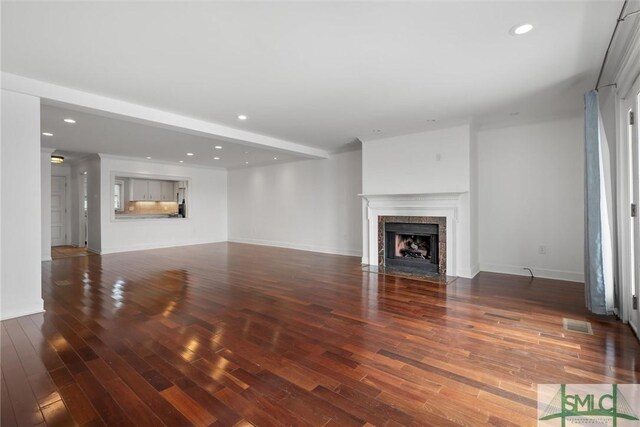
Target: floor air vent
577,326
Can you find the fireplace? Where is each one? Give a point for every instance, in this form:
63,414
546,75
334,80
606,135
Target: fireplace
411,247
412,244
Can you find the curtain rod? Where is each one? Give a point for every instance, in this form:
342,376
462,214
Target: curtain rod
613,35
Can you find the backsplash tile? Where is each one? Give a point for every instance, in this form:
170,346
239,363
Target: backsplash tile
149,208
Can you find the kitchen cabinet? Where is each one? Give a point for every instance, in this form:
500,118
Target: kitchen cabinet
155,190
139,189
167,194
151,190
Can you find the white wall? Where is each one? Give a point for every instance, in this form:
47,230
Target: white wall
90,165
474,184
20,280
531,194
45,202
310,205
74,212
427,162
207,208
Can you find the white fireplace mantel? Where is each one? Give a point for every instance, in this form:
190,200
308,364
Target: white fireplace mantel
446,205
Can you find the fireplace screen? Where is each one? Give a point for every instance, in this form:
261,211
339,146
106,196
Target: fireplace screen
411,247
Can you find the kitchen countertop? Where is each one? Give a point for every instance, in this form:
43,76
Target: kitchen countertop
146,216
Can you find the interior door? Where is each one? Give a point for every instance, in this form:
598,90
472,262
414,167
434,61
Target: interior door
631,106
58,210
635,176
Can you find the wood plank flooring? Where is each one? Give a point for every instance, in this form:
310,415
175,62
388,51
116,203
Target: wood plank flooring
237,335
58,252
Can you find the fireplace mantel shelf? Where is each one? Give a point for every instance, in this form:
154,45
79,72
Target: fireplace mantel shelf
411,195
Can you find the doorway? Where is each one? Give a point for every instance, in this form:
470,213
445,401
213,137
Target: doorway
58,210
631,199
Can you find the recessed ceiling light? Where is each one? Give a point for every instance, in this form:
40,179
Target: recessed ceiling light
242,117
246,163
246,152
216,158
218,147
520,29
275,158
69,121
148,158
181,161
189,154
47,134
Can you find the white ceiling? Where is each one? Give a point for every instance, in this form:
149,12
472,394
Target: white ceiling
318,73
97,134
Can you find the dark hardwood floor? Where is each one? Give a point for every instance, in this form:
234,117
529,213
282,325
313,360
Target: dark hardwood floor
234,335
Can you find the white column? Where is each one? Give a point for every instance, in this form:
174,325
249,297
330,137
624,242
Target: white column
20,218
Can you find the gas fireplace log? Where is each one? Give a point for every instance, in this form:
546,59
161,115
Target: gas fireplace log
410,253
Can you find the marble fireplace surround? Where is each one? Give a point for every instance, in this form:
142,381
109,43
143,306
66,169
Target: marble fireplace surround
432,205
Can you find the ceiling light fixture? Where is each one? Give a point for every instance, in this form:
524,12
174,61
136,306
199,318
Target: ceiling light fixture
189,154
520,29
47,134
181,161
57,159
218,147
148,158
242,117
69,121
246,163
216,158
275,158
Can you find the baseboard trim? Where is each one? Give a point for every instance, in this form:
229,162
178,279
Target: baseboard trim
470,273
309,248
635,331
12,314
544,273
157,246
475,270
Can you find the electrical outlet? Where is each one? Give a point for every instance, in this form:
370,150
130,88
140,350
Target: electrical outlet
542,250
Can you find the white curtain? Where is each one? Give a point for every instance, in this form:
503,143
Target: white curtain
599,286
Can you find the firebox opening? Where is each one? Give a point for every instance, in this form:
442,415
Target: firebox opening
413,246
